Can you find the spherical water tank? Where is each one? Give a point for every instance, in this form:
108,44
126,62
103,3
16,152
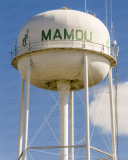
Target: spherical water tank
56,42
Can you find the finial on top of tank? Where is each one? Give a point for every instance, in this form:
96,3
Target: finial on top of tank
64,8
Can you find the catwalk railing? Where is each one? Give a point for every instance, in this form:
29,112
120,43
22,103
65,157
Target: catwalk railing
74,44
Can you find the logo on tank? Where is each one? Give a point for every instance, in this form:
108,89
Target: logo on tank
108,43
25,38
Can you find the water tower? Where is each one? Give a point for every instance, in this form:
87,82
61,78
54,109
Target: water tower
79,43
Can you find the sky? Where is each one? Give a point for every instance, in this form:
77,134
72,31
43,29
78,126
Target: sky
13,15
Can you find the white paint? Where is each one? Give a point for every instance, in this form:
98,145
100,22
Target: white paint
53,65
20,136
58,62
71,124
62,59
63,89
86,107
26,109
64,19
112,116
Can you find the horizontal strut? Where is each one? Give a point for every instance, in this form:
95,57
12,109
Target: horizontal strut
105,158
75,146
96,149
52,147
20,155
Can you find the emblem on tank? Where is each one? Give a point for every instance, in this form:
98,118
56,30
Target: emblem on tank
25,38
108,43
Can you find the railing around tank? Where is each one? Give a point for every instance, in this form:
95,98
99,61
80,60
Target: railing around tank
63,44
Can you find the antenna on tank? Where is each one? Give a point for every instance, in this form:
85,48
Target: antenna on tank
112,36
106,11
85,6
15,46
113,43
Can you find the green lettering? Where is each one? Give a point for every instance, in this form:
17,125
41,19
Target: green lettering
44,37
57,34
69,36
107,43
88,40
81,32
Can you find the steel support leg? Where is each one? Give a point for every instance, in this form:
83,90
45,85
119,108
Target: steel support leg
86,107
26,109
112,116
71,125
20,136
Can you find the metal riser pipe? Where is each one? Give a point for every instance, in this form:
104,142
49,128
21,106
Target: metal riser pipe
63,88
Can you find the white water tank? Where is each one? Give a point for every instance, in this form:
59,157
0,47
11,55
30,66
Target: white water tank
56,41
